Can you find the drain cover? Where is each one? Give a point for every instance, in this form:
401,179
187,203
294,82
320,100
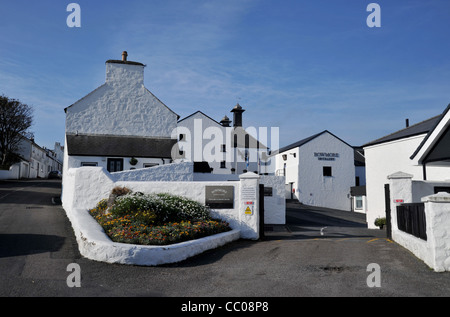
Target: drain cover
336,269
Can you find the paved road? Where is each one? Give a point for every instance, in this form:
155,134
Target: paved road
301,259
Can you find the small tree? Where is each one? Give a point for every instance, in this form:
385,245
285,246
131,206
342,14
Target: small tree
15,120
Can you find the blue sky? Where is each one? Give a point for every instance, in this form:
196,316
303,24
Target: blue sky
302,66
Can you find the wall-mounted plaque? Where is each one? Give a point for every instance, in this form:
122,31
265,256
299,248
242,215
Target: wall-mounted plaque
248,193
219,197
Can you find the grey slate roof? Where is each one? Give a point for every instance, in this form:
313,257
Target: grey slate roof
119,146
203,114
431,131
306,140
416,129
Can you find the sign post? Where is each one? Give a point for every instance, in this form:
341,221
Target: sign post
249,205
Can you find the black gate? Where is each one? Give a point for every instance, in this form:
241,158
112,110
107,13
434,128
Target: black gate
387,199
411,219
261,211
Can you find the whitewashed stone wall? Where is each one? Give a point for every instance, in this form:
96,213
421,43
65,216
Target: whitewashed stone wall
121,106
177,172
12,173
275,205
437,209
85,187
435,251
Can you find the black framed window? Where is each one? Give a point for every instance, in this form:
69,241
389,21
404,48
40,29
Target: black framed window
115,165
327,171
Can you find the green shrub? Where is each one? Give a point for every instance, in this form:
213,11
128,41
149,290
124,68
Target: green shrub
177,208
380,222
159,208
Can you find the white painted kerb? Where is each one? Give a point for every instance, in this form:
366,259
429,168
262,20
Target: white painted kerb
94,244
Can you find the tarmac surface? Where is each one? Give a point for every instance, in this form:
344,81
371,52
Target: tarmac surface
319,252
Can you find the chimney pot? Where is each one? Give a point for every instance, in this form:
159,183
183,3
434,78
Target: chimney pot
124,56
407,123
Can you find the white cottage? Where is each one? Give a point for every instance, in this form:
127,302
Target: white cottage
421,150
319,171
35,161
121,125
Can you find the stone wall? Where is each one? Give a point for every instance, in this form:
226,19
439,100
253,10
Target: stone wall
85,187
435,251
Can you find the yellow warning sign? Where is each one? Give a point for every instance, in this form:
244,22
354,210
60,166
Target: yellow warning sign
248,211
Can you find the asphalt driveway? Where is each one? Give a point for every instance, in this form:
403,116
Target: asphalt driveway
318,253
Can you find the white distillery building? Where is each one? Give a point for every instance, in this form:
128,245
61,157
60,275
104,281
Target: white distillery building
319,171
421,150
120,125
219,148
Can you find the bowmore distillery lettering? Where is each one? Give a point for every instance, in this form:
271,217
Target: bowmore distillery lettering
321,156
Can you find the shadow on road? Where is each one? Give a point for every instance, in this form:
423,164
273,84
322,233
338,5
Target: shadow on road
25,244
45,192
307,222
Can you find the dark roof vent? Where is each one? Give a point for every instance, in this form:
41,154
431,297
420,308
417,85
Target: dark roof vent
225,122
237,115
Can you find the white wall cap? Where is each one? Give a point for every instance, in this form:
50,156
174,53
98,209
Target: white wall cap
440,197
400,175
249,175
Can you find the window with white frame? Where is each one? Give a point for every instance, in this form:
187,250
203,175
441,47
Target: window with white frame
359,202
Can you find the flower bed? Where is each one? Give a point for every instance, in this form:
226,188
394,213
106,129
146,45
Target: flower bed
160,219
